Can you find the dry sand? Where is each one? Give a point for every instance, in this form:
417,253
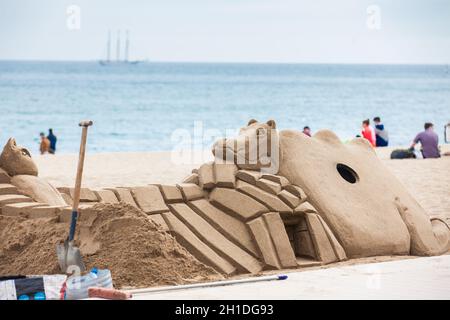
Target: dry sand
427,180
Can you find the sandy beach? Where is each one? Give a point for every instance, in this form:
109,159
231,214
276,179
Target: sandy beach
427,180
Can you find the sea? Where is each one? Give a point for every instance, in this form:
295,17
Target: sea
149,106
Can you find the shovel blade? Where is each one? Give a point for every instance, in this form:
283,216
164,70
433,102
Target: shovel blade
69,258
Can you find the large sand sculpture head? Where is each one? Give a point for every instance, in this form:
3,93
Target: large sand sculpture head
256,147
17,160
368,209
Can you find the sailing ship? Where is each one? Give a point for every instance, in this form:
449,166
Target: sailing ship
118,59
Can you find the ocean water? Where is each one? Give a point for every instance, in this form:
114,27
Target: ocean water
140,107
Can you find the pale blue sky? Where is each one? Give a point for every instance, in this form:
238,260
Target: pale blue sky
414,31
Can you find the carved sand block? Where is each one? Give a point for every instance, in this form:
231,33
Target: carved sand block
237,203
46,212
268,199
192,178
67,199
106,196
171,194
124,195
238,257
149,199
225,174
206,178
280,240
234,229
86,194
85,213
292,200
190,191
324,249
296,191
269,186
248,176
13,198
262,238
6,188
19,209
276,178
197,247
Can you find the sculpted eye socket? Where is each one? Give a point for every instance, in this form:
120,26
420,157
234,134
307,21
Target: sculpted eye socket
347,173
25,153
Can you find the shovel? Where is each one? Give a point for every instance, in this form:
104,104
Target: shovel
69,256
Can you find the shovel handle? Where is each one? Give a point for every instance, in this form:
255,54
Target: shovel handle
77,191
73,223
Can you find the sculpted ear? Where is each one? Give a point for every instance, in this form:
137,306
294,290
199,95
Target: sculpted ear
11,142
272,124
327,136
251,121
362,144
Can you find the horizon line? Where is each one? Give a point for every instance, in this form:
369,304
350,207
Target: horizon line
237,62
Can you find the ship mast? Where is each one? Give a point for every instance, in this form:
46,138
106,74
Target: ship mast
118,46
108,47
127,46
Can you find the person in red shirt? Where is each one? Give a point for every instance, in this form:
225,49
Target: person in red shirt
368,133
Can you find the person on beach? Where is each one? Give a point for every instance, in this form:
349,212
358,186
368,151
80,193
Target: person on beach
52,138
381,134
45,144
307,131
368,133
429,141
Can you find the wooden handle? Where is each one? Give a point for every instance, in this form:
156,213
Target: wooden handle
77,191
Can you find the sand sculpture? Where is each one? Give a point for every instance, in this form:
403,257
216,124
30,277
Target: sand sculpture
307,201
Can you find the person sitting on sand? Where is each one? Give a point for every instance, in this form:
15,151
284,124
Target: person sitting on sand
45,144
429,141
52,138
381,134
307,131
367,132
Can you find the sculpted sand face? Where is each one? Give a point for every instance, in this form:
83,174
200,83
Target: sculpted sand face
17,160
255,148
